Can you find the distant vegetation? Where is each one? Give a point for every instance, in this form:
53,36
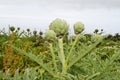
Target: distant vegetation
26,55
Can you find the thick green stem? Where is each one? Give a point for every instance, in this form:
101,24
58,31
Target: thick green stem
53,57
70,53
61,55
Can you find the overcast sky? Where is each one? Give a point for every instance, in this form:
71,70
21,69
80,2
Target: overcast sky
37,14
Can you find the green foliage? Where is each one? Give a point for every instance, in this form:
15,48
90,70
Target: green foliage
95,37
29,74
66,63
80,57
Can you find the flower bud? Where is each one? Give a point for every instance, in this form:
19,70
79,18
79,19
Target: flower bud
28,30
78,27
40,33
35,32
12,28
18,28
50,35
60,27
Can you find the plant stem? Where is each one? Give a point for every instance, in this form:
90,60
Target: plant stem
61,55
69,54
53,57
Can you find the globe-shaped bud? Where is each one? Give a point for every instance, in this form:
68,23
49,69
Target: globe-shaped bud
28,30
50,35
78,28
18,28
12,28
41,33
35,32
60,27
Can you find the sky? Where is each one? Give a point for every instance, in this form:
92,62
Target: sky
38,14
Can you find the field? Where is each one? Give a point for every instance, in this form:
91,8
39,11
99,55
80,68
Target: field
27,55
